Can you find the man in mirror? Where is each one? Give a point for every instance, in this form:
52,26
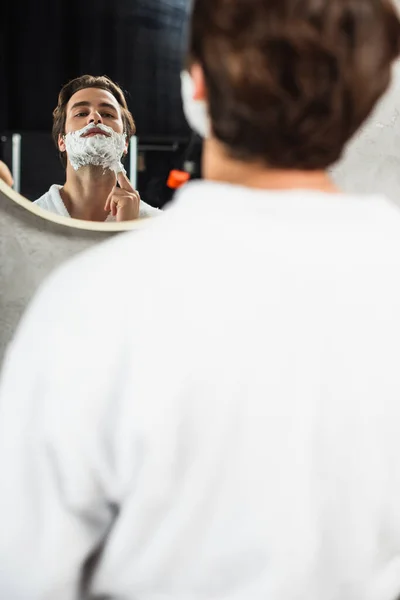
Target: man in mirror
92,127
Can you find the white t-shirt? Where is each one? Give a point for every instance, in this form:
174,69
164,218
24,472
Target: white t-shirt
215,401
52,202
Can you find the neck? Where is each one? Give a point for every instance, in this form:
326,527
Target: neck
218,166
86,191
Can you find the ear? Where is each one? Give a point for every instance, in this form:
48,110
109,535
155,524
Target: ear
61,143
199,84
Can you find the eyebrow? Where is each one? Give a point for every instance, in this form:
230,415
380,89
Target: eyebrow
85,103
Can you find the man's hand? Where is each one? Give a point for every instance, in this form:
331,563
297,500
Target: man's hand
5,174
123,202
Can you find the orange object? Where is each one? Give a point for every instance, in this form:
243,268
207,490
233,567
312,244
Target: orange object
177,178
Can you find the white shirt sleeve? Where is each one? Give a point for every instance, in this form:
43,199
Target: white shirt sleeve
54,506
52,201
146,210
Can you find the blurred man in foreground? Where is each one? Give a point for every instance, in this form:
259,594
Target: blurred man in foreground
242,443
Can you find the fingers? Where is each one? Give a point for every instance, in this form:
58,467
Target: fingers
124,182
107,206
114,206
123,193
115,199
123,204
5,174
112,203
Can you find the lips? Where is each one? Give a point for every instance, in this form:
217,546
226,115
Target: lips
95,131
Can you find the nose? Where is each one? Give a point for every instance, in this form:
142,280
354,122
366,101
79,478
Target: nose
95,117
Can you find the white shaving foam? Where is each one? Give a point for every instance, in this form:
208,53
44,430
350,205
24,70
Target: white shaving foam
196,111
99,150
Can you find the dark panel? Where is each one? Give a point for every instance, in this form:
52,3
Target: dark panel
139,43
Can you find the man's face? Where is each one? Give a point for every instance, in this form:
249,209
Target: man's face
92,106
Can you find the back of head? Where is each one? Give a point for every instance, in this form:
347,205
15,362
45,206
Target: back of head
290,81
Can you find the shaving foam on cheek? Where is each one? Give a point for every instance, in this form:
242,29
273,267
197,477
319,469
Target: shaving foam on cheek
196,111
98,150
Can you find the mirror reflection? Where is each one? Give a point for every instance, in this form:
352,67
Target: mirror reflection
92,127
140,46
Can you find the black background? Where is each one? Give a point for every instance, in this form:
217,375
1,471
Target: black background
138,43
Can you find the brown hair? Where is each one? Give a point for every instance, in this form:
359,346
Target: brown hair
81,83
290,81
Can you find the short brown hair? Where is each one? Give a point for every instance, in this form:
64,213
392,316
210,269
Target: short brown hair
81,83
290,81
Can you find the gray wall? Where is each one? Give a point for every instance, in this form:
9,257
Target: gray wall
372,160
31,247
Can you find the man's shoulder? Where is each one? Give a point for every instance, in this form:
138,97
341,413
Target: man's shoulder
120,271
115,262
51,197
146,210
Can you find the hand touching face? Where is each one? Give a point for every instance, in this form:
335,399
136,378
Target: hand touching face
124,201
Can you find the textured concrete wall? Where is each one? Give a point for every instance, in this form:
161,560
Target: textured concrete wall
30,248
372,160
